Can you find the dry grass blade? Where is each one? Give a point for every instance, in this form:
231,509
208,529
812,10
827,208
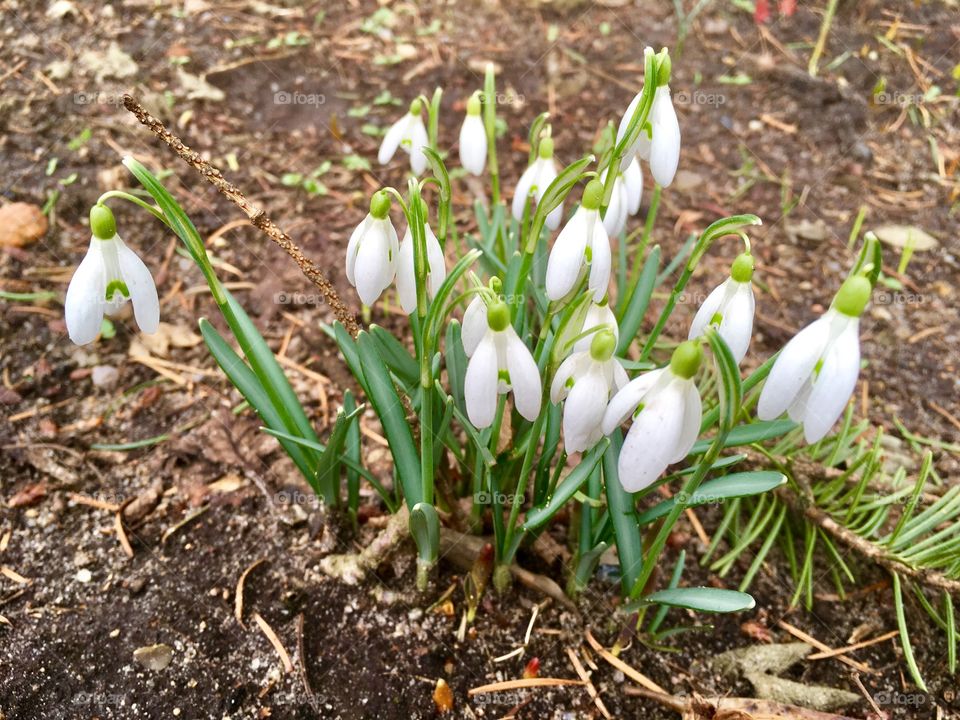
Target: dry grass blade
620,665
523,683
275,641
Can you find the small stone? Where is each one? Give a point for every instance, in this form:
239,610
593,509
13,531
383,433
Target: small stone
105,376
900,236
154,657
84,575
21,224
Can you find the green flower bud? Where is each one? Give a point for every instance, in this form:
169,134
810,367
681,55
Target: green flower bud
853,296
473,104
593,194
742,269
416,106
603,345
102,222
380,204
665,65
546,148
498,316
686,359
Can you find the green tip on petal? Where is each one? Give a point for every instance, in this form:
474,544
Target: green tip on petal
380,204
416,106
603,345
498,316
686,359
593,194
102,222
742,269
473,104
853,296
546,148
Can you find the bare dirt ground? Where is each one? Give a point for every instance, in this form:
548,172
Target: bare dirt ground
265,91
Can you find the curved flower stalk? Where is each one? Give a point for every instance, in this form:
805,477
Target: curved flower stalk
667,423
582,244
535,180
373,251
816,372
661,148
730,308
410,134
598,315
473,138
109,275
499,363
584,382
406,272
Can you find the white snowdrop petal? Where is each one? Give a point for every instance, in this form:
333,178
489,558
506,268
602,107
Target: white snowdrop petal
437,262
793,368
652,440
835,383
391,140
352,245
615,219
627,115
600,262
709,308
692,418
406,275
736,328
583,411
418,141
143,291
597,315
626,401
524,376
374,269
473,145
83,306
524,184
570,367
665,143
474,325
633,181
566,260
480,383
620,377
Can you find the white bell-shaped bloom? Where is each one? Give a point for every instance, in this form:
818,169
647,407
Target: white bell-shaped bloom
109,275
615,219
582,244
410,134
373,251
473,139
499,363
816,372
406,270
598,315
586,380
667,425
633,181
535,180
730,308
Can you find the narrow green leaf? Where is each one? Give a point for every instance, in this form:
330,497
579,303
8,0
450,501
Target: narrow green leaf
328,469
702,599
456,362
626,530
568,486
749,434
636,306
396,356
720,490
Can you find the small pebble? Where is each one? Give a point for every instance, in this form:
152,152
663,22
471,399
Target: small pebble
154,657
105,376
84,575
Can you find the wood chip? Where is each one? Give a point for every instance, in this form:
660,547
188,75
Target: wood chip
13,575
275,641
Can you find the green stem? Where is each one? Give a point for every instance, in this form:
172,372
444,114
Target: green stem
157,212
490,126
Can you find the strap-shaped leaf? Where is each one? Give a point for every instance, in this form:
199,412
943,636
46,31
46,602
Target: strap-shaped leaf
636,306
438,307
351,451
567,488
749,434
396,356
425,529
703,599
716,491
626,530
383,396
456,361
328,469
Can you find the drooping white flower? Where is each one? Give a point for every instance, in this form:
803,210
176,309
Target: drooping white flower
633,180
499,363
598,315
816,372
730,307
109,275
373,251
662,148
667,425
406,270
535,180
410,134
582,244
615,219
585,380
473,138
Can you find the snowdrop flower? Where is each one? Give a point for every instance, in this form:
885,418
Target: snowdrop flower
615,219
410,134
582,244
662,148
109,275
406,270
730,308
586,380
473,138
535,180
816,372
633,182
499,363
372,251
598,315
667,423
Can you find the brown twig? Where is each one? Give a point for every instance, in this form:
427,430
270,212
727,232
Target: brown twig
257,216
